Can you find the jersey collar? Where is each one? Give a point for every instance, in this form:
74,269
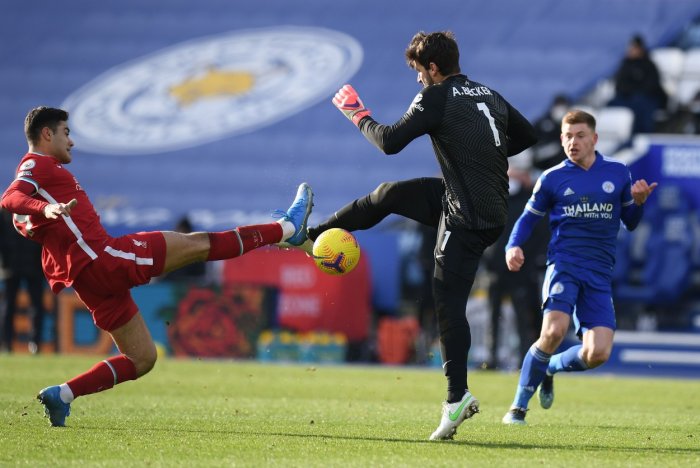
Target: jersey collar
598,157
36,153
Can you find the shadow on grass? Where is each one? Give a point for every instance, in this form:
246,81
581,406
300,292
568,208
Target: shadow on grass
459,443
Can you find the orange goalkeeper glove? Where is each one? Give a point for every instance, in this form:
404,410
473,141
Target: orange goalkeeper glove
349,103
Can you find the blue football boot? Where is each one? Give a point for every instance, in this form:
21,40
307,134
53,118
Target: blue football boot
298,214
56,410
546,393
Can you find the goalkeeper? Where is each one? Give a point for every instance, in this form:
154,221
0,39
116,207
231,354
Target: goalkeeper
473,130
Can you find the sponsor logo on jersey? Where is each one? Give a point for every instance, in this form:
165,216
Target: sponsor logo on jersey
568,192
210,88
589,210
139,243
416,102
28,164
608,187
23,225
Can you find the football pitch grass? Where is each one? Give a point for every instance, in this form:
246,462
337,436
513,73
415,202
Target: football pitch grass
222,413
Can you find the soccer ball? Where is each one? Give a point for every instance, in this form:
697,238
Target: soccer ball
336,252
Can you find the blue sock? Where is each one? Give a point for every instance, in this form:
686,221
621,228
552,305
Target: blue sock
531,375
568,361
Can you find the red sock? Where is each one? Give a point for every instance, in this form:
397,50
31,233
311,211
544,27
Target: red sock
103,376
230,244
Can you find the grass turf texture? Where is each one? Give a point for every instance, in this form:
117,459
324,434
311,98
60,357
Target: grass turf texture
204,413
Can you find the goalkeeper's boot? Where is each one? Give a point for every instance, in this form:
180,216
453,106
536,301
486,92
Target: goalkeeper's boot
56,410
298,214
307,246
515,416
453,414
546,392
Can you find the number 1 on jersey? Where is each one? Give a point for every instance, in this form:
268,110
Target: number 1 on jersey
483,108
444,242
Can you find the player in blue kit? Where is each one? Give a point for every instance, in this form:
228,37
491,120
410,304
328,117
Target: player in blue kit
587,196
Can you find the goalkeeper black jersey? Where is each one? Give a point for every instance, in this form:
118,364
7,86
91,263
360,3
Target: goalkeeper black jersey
473,130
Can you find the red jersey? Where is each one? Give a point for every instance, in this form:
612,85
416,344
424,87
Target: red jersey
69,242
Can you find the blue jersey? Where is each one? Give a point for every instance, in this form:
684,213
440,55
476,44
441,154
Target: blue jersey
585,208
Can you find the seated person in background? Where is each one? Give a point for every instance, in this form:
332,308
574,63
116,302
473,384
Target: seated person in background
548,151
638,86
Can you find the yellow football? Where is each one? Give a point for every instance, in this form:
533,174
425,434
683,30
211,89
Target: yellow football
336,251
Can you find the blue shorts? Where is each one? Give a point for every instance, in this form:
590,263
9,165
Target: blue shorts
581,293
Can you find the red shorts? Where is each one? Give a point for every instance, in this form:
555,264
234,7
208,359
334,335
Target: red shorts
125,262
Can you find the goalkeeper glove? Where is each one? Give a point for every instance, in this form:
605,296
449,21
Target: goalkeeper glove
349,103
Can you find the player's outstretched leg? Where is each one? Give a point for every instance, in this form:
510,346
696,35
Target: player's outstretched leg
298,214
56,410
307,246
453,414
546,393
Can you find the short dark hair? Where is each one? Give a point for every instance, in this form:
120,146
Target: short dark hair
638,40
577,116
41,117
439,48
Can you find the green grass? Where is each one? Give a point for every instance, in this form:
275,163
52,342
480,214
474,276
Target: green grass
202,413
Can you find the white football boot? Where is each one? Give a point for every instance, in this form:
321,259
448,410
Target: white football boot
515,416
453,414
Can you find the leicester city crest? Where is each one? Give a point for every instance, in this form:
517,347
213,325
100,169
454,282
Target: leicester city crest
210,88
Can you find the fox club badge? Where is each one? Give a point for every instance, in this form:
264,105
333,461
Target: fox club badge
210,88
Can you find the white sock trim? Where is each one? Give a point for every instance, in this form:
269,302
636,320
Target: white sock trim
240,241
288,229
114,371
65,393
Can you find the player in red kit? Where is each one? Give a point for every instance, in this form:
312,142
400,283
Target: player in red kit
50,207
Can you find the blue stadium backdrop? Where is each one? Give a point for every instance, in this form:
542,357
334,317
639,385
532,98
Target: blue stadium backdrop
217,109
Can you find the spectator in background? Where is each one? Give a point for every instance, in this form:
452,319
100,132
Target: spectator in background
638,86
521,286
21,262
548,151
